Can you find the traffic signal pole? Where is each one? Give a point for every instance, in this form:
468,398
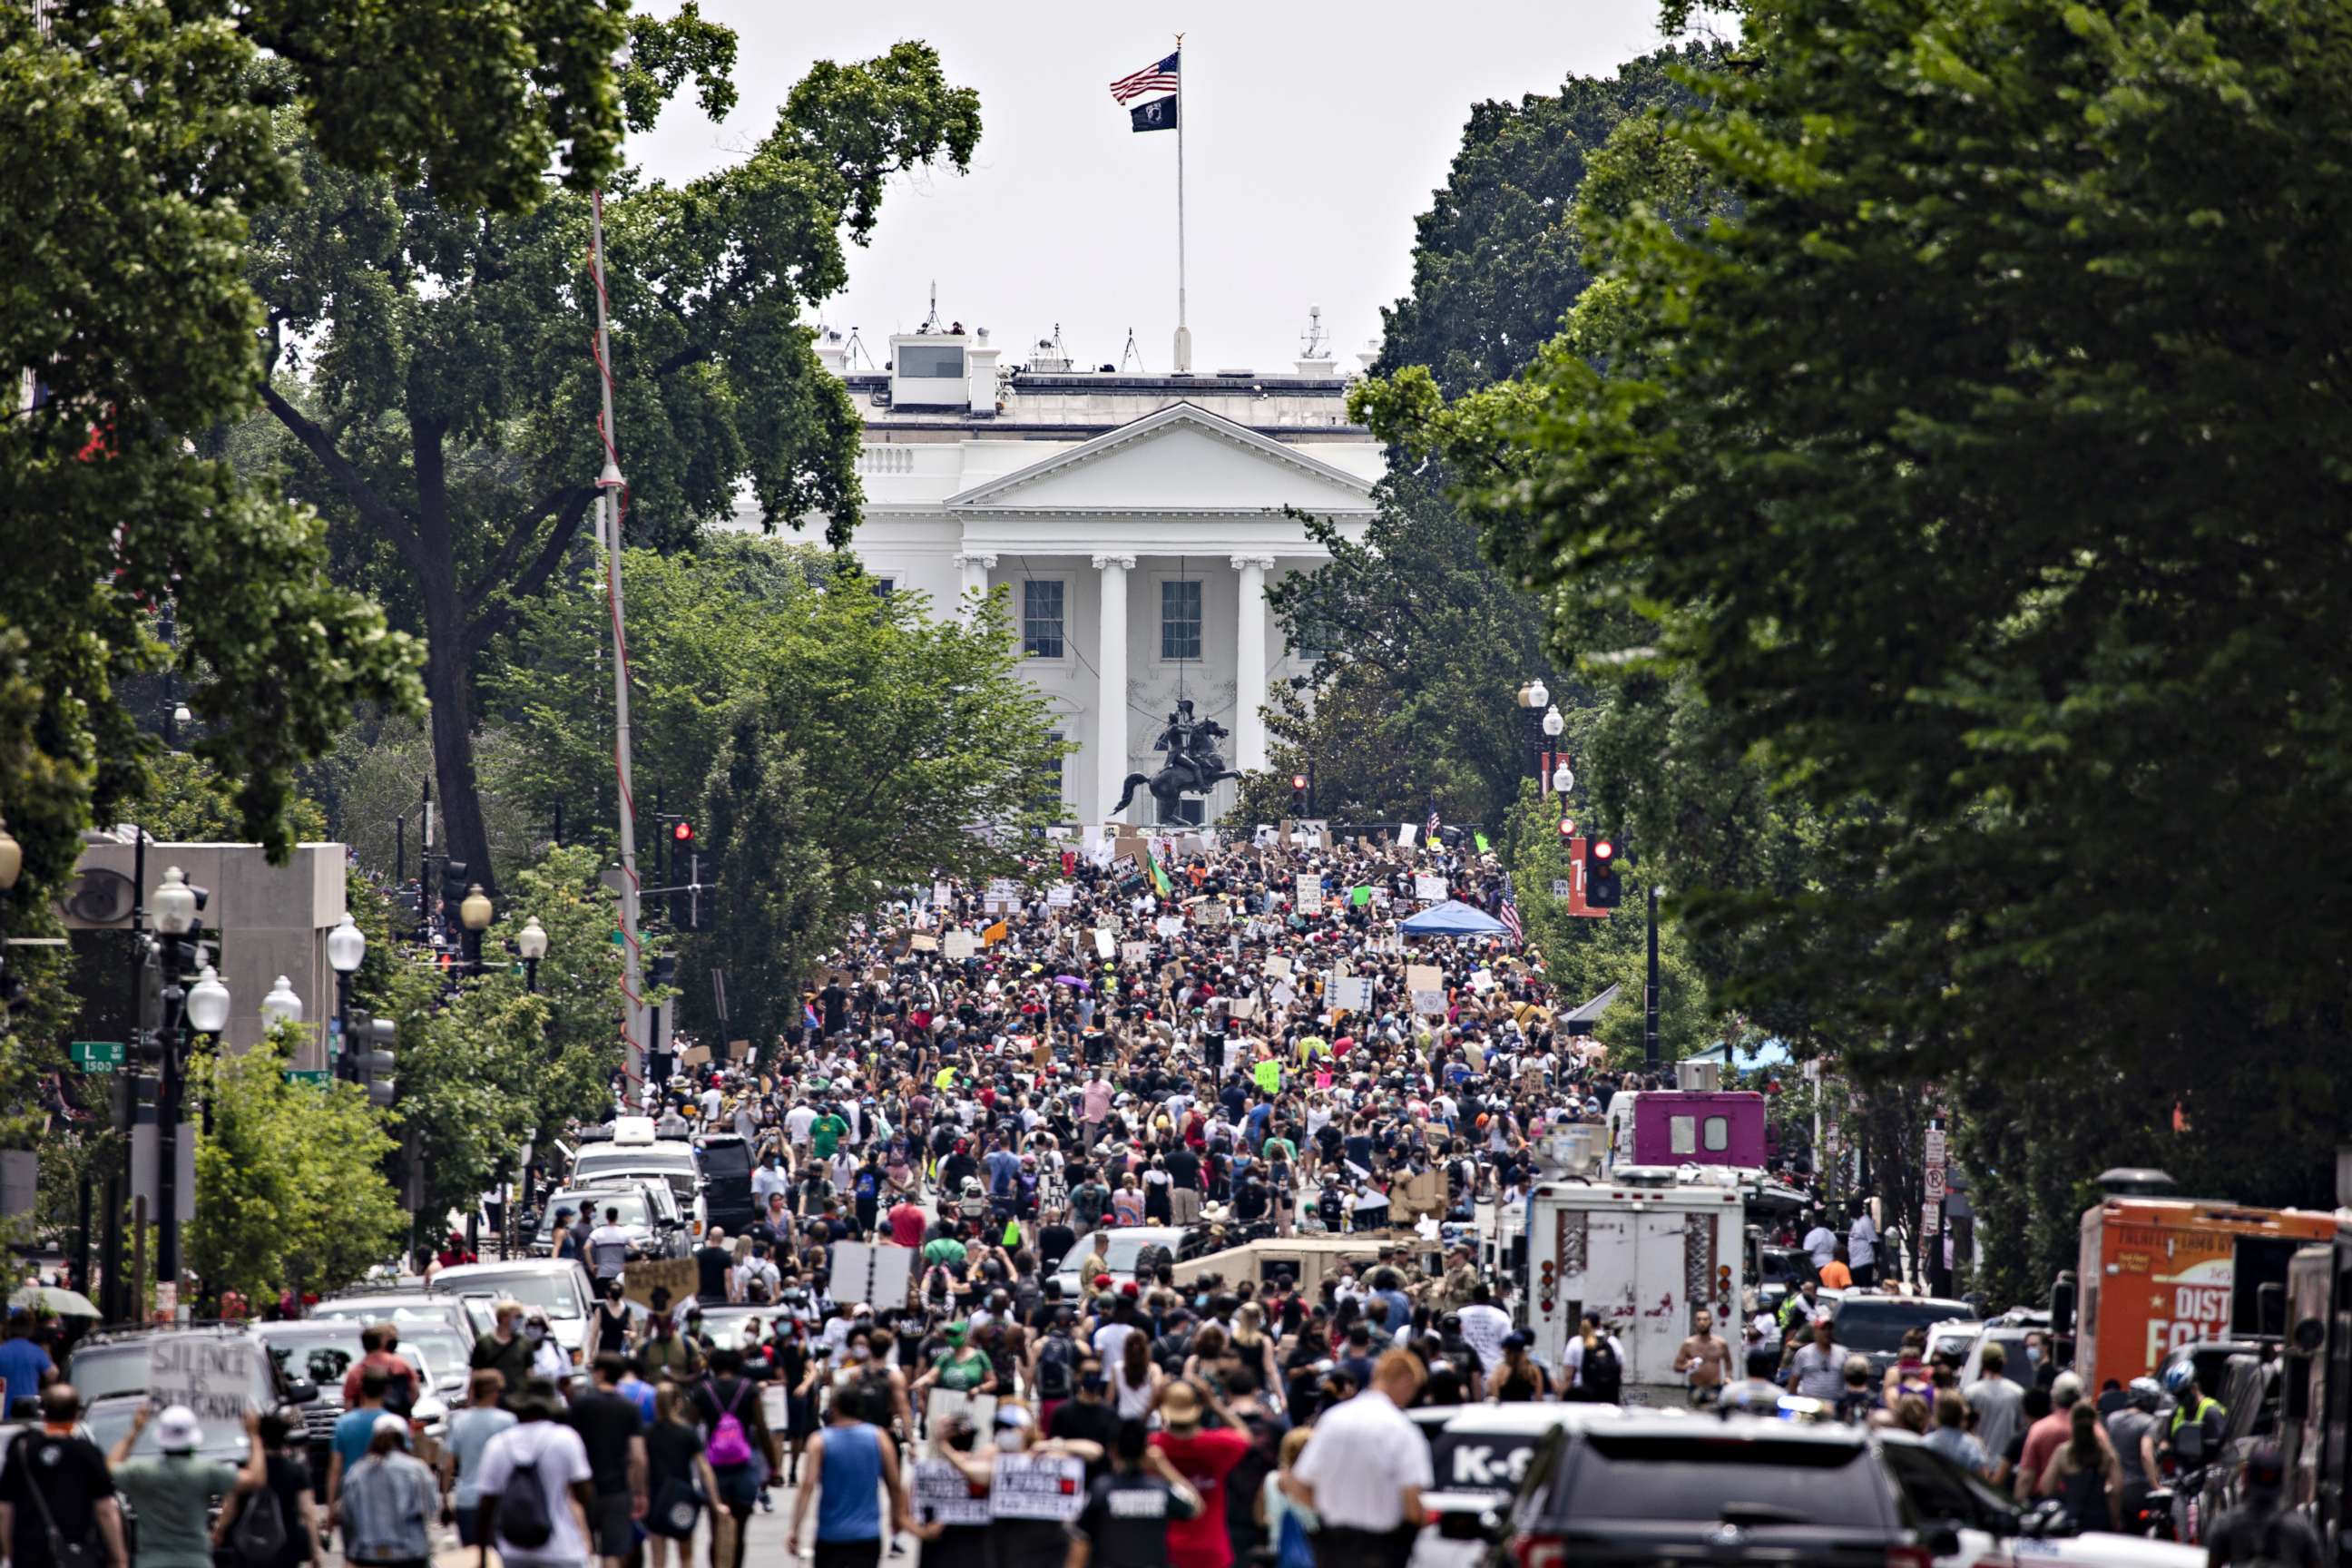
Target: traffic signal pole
1650,992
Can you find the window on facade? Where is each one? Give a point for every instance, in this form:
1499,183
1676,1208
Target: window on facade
1718,1133
1041,617
885,587
1310,636
1682,1134
930,362
1184,811
1179,620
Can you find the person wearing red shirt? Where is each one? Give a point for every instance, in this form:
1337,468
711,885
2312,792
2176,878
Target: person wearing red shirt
906,1224
1204,1458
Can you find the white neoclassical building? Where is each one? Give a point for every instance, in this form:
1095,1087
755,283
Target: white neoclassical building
1133,521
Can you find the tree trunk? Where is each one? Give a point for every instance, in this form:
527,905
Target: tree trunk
448,683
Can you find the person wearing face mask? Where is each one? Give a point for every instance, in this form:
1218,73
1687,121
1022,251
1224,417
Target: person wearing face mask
506,1351
1021,1540
548,1359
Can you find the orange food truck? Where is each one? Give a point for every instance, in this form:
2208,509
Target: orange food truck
2158,1272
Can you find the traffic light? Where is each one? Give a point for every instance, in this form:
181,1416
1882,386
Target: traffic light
453,896
683,832
1602,889
1299,795
1567,829
367,1055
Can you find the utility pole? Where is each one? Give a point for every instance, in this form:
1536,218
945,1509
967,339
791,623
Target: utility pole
113,1302
1650,992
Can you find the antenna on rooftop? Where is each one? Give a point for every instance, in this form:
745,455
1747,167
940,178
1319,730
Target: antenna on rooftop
1315,339
931,321
853,351
1133,356
1050,356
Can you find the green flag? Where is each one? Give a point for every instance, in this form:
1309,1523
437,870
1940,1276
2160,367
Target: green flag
1483,846
1361,896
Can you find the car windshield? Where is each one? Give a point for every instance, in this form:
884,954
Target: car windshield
553,1292
596,1201
678,1177
106,1426
323,1359
1875,1323
440,1347
1125,1247
727,1160
100,1369
1704,1477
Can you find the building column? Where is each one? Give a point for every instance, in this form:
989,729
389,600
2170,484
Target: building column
975,569
1110,703
1249,664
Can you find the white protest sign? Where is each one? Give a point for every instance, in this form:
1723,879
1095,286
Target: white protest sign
980,1409
1482,980
1169,925
1309,891
1349,993
1214,913
1405,832
942,1495
1135,952
214,1377
1429,889
1061,895
1285,994
1038,1486
942,895
958,945
1278,966
1104,945
1098,853
1263,836
1429,1004
880,1277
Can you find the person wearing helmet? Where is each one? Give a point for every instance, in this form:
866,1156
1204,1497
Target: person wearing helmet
2131,1431
2190,1403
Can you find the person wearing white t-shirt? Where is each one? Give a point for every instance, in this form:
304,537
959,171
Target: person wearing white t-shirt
1861,1249
1484,1324
560,1461
797,1123
711,1101
1364,1469
1820,1243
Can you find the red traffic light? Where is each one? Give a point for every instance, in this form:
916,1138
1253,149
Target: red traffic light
1603,850
1567,829
1298,781
683,832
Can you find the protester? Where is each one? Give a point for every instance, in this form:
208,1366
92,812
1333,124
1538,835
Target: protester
171,1493
470,1431
544,1466
75,1501
388,1502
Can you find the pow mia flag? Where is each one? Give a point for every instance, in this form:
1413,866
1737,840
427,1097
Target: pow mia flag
1160,114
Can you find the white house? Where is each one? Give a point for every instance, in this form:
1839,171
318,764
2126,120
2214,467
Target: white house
1134,522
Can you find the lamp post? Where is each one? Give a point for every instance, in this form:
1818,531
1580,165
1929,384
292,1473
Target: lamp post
1649,992
281,1005
174,904
530,945
1533,697
346,950
11,859
475,914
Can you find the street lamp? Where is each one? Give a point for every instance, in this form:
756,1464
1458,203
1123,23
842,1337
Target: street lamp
174,904
207,1004
346,950
474,914
1552,722
281,1005
1563,780
1538,694
530,945
11,859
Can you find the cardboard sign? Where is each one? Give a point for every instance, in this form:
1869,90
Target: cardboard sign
695,1055
1309,892
1135,952
1424,977
1278,966
923,944
658,1284
1417,1196
1428,889
213,1377
1038,1486
1061,895
1429,1004
941,1495
1349,993
958,945
1104,946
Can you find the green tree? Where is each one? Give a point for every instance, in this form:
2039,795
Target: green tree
433,376
289,1188
838,743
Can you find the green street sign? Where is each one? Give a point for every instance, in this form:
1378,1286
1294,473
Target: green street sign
97,1056
318,1076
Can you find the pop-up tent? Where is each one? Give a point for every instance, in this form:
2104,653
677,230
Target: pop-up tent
1454,918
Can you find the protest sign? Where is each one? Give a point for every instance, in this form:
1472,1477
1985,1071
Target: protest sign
1105,946
942,895
877,1276
923,944
1135,952
1278,966
942,1496
214,1377
1482,980
1241,1007
1061,895
944,1404
658,1284
1268,1074
1169,925
995,934
1424,977
1263,837
1428,889
1360,896
1309,892
958,945
1285,994
1215,912
1429,1004
1038,1486
1348,992
1406,831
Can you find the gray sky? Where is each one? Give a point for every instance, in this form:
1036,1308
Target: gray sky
1314,133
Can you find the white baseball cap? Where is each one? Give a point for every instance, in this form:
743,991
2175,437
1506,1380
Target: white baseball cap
177,1431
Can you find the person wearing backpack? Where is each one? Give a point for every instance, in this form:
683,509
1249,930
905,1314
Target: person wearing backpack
72,1518
277,1526
1594,1369
1052,1375
534,1487
739,1445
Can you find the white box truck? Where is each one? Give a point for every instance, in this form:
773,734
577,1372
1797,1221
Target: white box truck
1643,1252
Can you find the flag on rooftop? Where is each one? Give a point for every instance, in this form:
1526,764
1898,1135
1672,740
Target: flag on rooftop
1158,77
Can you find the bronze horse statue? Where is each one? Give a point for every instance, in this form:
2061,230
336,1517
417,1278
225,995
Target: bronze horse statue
1193,766
1178,778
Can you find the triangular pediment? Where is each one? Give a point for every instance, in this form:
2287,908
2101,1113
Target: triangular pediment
1180,458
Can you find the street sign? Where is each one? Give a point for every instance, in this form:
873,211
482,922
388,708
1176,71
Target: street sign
97,1056
318,1076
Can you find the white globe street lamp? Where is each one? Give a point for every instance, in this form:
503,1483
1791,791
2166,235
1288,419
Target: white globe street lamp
1553,724
346,948
207,1004
281,1005
1563,780
174,904
531,942
1538,694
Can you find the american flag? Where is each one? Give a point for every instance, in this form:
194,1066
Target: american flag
1158,77
1509,913
1429,835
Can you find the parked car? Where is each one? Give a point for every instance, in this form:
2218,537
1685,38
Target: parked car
1478,1455
1120,1250
1871,1323
440,1327
558,1286
648,1212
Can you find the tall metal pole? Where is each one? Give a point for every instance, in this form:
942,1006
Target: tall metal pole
1650,992
1183,112
167,1134
114,1302
633,1030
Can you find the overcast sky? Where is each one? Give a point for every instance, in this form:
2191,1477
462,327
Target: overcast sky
1314,134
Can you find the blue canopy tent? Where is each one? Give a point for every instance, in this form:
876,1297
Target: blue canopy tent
1454,918
1769,1053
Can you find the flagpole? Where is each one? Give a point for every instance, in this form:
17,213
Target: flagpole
1183,332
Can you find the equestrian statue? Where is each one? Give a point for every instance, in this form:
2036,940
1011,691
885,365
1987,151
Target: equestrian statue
1194,766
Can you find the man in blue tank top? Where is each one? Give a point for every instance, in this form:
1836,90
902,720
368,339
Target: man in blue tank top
847,1462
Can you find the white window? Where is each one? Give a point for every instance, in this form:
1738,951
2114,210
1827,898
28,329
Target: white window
1718,1133
1041,617
1682,1134
1180,619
